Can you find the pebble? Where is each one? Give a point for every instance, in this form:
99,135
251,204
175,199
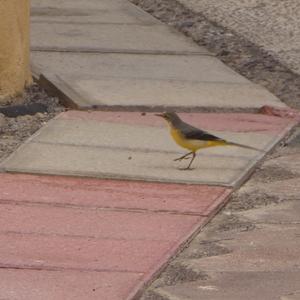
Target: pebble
40,115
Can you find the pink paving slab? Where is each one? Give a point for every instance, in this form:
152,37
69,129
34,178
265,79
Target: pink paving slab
234,122
80,253
70,226
64,285
95,223
74,191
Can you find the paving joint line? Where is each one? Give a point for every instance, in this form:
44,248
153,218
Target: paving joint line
56,268
70,236
118,51
113,176
50,22
103,208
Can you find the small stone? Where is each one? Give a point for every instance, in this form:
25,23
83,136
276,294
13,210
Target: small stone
187,24
40,115
24,118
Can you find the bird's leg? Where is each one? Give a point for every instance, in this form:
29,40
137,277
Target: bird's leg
184,156
189,166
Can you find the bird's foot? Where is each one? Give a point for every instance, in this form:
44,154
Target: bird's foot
186,156
186,169
180,158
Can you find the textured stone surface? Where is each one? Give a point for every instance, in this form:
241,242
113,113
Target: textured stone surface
238,286
262,250
273,25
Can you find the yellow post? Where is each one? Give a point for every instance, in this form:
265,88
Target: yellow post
14,48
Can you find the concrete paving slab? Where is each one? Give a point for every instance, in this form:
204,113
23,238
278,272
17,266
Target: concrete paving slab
41,158
110,194
237,286
87,16
131,81
286,212
62,285
79,4
110,37
233,122
268,248
149,81
143,93
288,189
67,12
122,151
137,66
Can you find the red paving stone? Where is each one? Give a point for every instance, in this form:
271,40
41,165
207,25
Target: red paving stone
66,285
95,223
111,193
234,122
64,252
75,238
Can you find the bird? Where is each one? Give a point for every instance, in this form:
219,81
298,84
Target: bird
192,138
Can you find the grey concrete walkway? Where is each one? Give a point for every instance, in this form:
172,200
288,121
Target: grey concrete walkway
112,54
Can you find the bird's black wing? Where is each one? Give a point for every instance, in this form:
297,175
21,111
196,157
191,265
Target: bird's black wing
194,133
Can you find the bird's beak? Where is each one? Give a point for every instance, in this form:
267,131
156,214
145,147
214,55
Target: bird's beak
160,115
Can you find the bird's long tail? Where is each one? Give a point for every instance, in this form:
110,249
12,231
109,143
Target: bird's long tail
244,146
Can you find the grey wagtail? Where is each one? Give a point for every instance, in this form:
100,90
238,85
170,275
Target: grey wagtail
192,138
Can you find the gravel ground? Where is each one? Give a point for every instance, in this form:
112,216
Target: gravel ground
234,50
15,130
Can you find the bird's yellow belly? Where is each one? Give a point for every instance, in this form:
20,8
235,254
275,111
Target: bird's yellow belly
193,145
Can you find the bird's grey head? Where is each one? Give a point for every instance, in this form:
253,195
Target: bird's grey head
170,117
